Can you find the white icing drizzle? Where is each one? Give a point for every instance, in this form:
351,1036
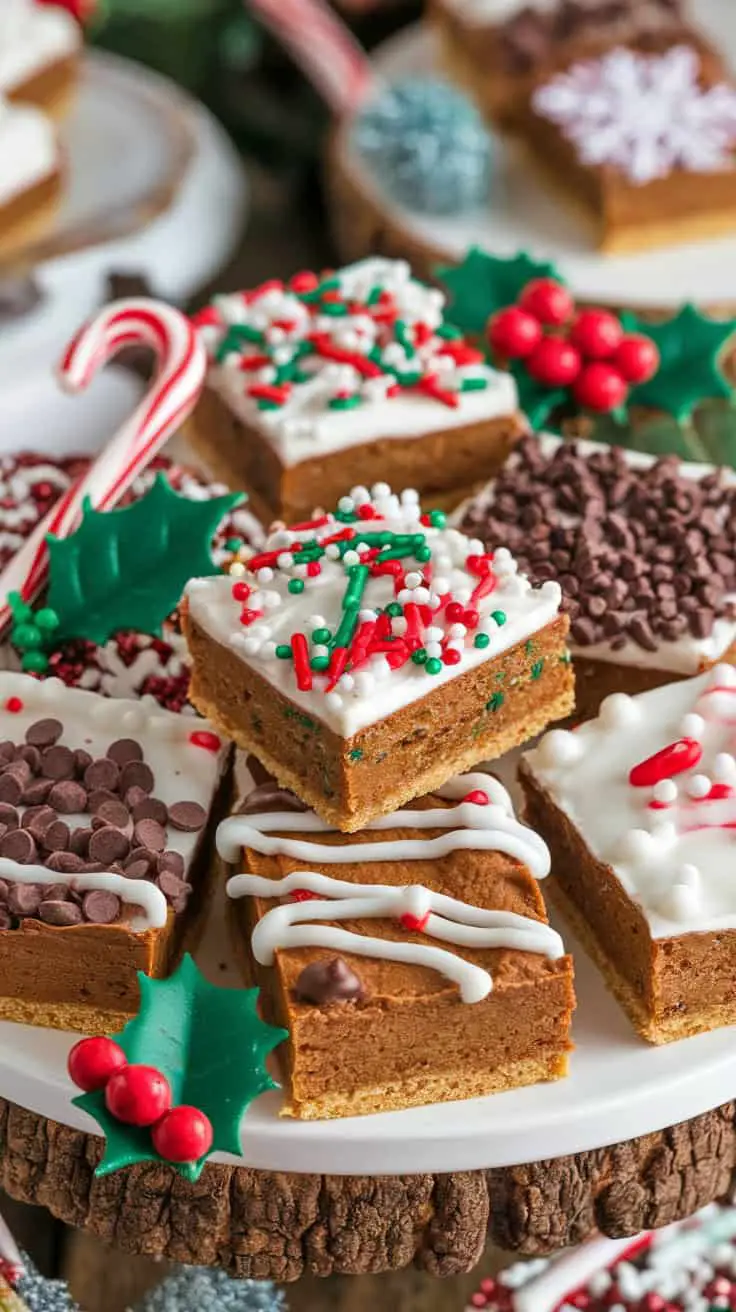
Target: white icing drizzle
29,151
671,840
448,919
470,826
136,892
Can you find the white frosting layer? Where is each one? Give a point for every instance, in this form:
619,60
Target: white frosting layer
182,770
29,150
33,37
671,844
688,655
375,690
481,12
305,426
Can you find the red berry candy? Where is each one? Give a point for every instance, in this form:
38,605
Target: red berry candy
637,358
513,334
138,1095
600,387
92,1062
548,301
597,334
555,362
183,1135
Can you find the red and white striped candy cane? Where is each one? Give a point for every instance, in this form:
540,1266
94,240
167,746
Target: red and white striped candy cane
170,399
323,47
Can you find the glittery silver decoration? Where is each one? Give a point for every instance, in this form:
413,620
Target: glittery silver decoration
428,145
206,1289
41,1294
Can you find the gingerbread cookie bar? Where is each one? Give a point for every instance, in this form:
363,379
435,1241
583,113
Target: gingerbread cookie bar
638,808
329,381
105,811
644,144
418,950
30,173
643,550
501,49
40,48
365,656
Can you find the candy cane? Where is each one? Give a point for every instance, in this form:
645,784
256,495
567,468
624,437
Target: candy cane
323,47
168,402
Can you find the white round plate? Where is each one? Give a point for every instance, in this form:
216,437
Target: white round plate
525,214
618,1087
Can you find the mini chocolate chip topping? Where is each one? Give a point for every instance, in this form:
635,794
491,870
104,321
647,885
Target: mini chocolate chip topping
44,733
187,816
269,797
323,983
643,556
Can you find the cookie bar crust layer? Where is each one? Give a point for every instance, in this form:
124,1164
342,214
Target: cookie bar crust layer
28,213
670,988
51,88
478,716
442,465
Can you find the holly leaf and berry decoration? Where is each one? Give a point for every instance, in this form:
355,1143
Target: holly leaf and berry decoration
691,348
581,360
174,1085
121,570
483,284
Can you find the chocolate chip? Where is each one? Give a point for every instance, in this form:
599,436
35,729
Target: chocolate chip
150,834
65,863
44,733
108,845
3,891
79,841
68,797
103,773
99,796
125,750
31,756
6,919
133,798
187,816
269,797
61,914
55,893
114,812
58,763
171,861
7,752
136,774
24,899
11,789
100,907
324,983
56,837
81,760
172,887
151,808
18,845
38,818
140,854
137,870
37,792
9,816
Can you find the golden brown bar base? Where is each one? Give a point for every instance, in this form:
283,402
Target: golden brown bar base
52,89
64,1016
351,781
431,1088
441,466
26,217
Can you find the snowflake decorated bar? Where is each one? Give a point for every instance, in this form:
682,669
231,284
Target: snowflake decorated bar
646,141
639,809
355,619
324,367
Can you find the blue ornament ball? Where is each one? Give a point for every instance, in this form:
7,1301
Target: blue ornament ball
428,146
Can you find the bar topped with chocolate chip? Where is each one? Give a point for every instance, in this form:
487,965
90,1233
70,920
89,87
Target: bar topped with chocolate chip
104,808
642,548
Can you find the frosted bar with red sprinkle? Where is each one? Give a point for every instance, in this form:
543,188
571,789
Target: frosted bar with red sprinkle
340,378
376,639
639,810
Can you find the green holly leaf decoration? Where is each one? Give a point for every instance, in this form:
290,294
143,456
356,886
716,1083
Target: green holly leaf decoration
690,346
211,1045
535,400
483,284
127,569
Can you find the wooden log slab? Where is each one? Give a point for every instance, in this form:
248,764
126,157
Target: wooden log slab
270,1225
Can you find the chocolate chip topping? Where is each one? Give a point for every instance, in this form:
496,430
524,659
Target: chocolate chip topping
643,556
269,797
323,983
150,834
68,797
187,816
107,845
125,750
44,733
60,913
102,774
58,763
100,907
114,813
149,808
24,899
136,774
18,845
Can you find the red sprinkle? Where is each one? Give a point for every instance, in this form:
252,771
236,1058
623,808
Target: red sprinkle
248,615
470,617
417,924
451,656
366,511
454,612
313,569
478,797
304,895
241,591
304,281
203,738
302,670
670,761
14,705
207,317
279,393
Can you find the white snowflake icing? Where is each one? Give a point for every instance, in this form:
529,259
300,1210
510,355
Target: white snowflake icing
644,114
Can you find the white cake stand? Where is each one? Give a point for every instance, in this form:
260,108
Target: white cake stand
525,214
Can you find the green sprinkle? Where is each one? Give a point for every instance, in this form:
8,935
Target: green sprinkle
46,619
448,331
233,544
495,703
345,402
537,668
319,662
433,665
21,610
356,754
419,656
34,662
481,640
565,658
302,719
358,575
498,615
473,384
284,652
264,404
336,309
321,635
529,647
437,518
401,334
374,295
394,609
295,585
331,284
27,636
